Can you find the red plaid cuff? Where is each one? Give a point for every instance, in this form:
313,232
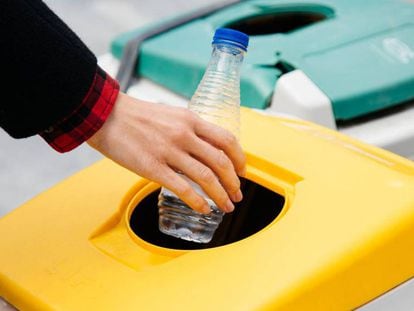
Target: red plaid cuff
88,118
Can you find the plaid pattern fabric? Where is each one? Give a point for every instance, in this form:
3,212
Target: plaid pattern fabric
88,118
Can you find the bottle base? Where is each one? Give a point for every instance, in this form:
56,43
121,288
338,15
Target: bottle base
185,234
178,220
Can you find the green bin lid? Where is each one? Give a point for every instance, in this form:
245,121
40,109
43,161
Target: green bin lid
359,53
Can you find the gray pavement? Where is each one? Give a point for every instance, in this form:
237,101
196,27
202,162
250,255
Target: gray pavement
29,166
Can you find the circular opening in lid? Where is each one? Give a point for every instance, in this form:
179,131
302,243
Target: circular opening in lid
259,207
276,22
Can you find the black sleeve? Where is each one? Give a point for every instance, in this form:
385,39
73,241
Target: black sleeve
46,69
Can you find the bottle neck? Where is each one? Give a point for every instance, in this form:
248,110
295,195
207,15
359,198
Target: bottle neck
226,58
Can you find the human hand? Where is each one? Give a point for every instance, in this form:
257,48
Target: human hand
156,141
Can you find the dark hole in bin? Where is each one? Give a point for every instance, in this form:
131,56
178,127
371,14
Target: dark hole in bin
279,22
259,207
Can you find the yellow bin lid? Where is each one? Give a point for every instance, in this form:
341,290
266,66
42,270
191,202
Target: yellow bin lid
345,234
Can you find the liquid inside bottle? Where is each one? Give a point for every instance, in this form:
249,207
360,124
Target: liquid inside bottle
217,100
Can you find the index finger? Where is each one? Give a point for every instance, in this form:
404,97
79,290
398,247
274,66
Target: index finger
224,140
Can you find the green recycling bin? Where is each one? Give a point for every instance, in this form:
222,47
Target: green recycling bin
347,65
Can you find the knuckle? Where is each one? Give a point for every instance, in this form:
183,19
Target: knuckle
185,190
187,115
179,134
243,159
191,116
221,198
198,203
149,165
234,186
207,176
223,161
229,139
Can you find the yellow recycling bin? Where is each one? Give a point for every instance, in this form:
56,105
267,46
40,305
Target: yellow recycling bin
327,223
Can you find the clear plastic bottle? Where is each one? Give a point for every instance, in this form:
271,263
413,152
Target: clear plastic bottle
217,100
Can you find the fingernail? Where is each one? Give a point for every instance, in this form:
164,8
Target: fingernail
238,196
229,206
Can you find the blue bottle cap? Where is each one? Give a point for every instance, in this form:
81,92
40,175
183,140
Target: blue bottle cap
232,37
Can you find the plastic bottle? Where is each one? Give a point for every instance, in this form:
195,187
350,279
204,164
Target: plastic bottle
217,100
